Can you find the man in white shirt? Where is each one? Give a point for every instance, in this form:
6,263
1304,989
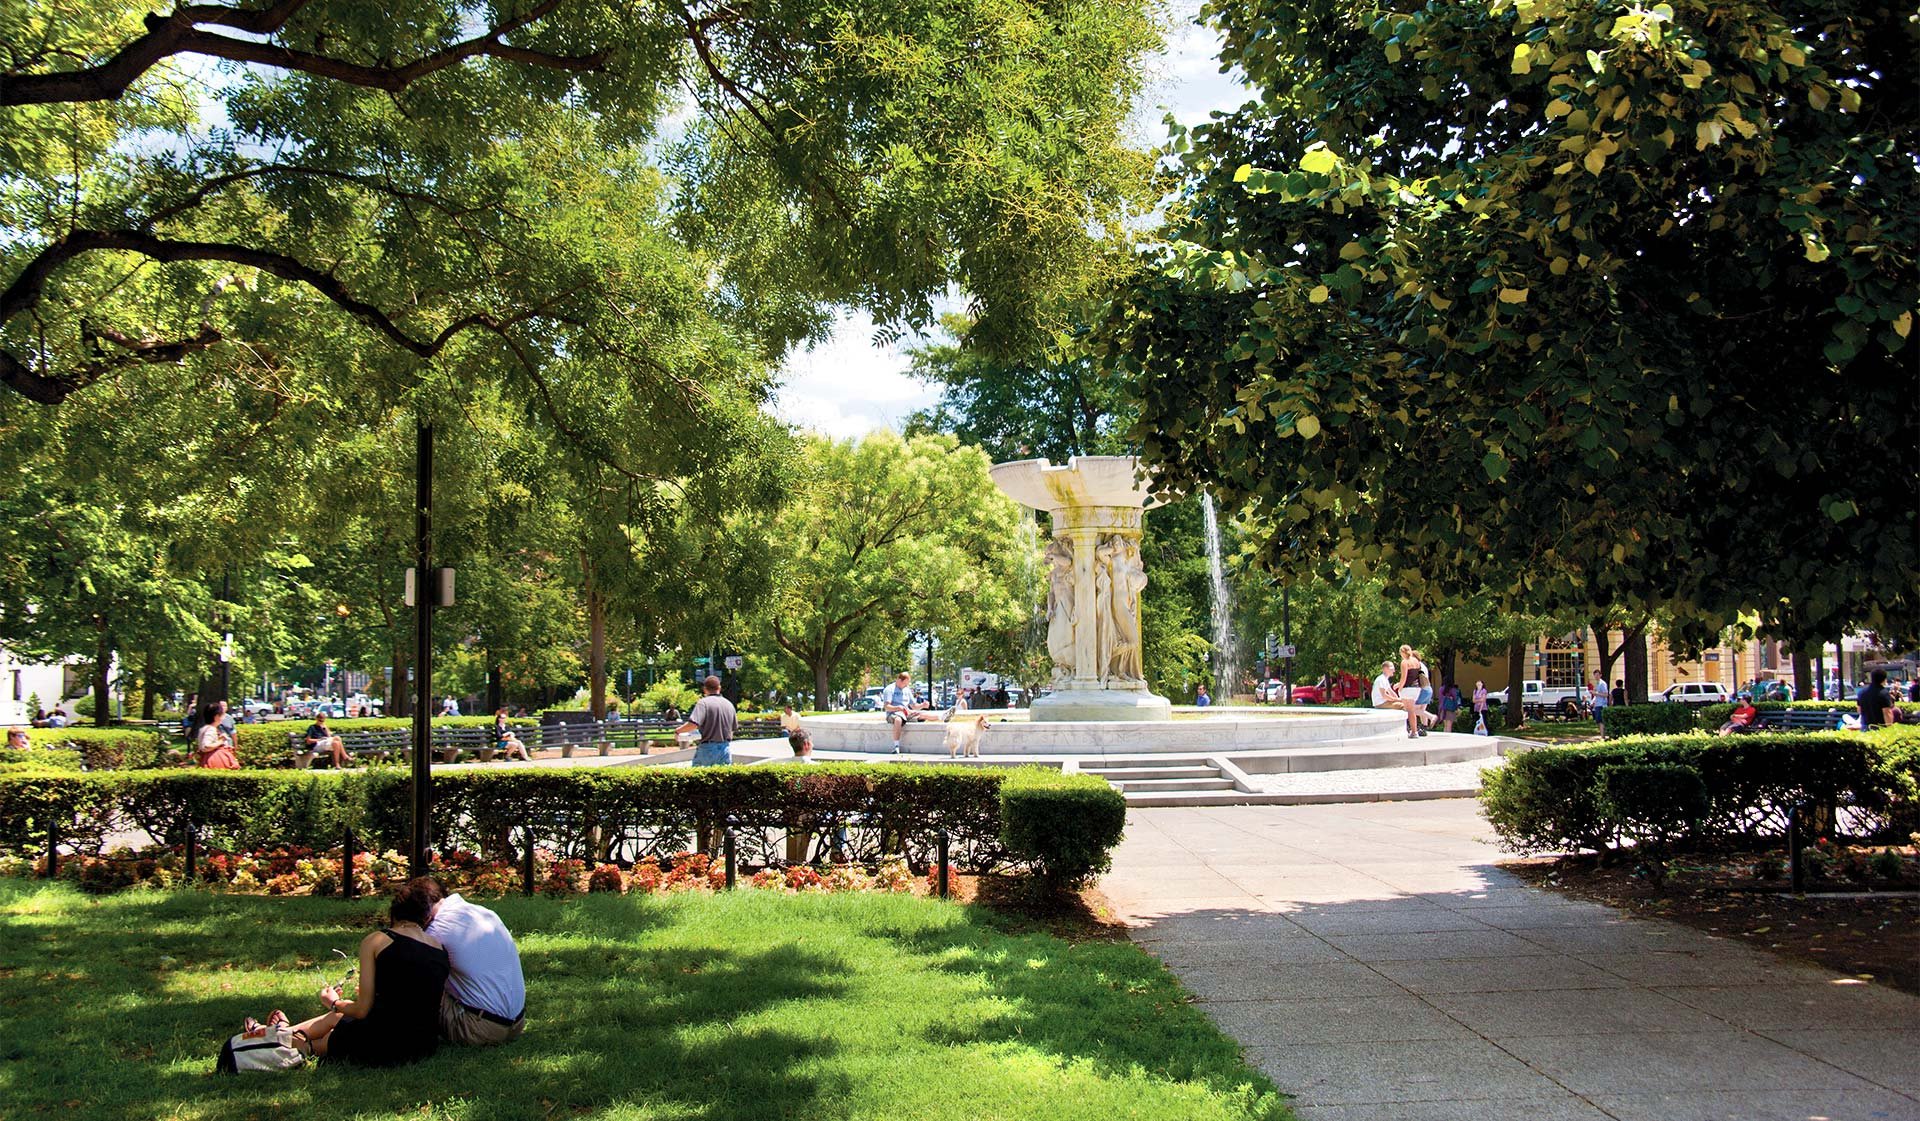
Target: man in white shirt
1384,694
901,706
486,998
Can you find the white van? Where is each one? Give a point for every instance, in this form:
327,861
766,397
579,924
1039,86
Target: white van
1693,693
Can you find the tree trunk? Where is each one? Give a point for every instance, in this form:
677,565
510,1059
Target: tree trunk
1802,673
146,688
1516,713
496,692
822,678
596,651
1637,667
399,697
102,658
1448,660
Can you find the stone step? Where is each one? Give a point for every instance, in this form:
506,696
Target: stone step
1175,785
1144,798
1133,774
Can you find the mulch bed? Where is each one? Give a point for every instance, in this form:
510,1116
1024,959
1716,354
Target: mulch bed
1873,935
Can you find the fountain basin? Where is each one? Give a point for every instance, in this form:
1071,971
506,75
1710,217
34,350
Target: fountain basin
1190,730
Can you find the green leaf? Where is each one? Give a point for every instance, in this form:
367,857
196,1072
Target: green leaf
1495,465
1318,160
1307,426
1840,509
1319,294
1240,174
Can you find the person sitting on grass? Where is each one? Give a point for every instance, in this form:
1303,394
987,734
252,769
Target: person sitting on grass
486,999
1744,718
395,1018
321,738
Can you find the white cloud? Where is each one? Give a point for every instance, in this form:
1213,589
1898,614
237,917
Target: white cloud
850,385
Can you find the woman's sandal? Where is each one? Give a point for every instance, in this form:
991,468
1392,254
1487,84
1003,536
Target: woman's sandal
275,1018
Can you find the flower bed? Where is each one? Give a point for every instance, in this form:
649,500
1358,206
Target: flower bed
296,870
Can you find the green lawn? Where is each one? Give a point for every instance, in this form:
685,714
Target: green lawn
750,1005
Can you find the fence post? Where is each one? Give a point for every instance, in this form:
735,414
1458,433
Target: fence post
191,862
53,850
727,845
348,887
944,889
1796,871
526,861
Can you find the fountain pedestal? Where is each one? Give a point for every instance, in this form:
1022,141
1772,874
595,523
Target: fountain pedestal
1095,576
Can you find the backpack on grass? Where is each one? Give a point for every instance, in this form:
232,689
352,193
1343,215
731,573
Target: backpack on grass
263,1049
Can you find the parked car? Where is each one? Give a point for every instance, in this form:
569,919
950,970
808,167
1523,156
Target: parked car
1693,693
868,701
1269,691
1345,687
254,705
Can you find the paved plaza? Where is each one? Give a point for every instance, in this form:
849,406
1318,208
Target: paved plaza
1377,967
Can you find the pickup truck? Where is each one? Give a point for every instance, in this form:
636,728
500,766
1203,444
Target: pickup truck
1537,696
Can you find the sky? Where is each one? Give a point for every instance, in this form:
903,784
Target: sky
850,385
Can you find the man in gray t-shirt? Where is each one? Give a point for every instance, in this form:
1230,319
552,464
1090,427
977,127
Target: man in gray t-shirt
713,717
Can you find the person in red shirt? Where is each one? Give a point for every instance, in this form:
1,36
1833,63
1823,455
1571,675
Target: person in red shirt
1744,717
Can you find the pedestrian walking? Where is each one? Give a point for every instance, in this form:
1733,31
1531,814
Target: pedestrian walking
713,718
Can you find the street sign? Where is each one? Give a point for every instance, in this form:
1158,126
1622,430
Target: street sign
1286,651
735,661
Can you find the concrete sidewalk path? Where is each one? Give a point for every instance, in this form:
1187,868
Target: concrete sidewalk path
1376,966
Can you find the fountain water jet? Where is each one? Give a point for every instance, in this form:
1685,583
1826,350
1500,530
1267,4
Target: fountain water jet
1226,651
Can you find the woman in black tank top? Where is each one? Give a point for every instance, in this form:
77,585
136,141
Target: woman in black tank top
403,970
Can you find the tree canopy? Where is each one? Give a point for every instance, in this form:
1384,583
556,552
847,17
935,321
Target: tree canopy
884,534
1602,307
176,183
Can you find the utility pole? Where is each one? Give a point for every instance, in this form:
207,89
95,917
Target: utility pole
425,589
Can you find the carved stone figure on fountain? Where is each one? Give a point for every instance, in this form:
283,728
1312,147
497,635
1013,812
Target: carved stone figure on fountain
1129,580
1060,607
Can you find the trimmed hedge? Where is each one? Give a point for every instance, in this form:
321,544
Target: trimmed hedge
1059,826
104,749
41,759
1656,719
1553,799
1712,716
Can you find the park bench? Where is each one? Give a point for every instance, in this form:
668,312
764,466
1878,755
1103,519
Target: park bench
1799,719
450,745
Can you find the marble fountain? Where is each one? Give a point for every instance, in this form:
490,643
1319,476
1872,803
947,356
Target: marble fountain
1101,717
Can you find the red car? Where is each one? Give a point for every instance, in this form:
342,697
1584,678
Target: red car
1343,688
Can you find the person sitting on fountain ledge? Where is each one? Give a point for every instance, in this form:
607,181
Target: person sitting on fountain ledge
900,706
1384,693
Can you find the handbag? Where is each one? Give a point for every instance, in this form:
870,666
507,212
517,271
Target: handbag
1480,724
263,1049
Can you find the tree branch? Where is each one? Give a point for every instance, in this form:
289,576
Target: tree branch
50,389
181,32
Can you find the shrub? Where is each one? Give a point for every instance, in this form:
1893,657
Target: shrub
1712,716
1650,719
104,749
1065,825
1654,803
41,759
1550,800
